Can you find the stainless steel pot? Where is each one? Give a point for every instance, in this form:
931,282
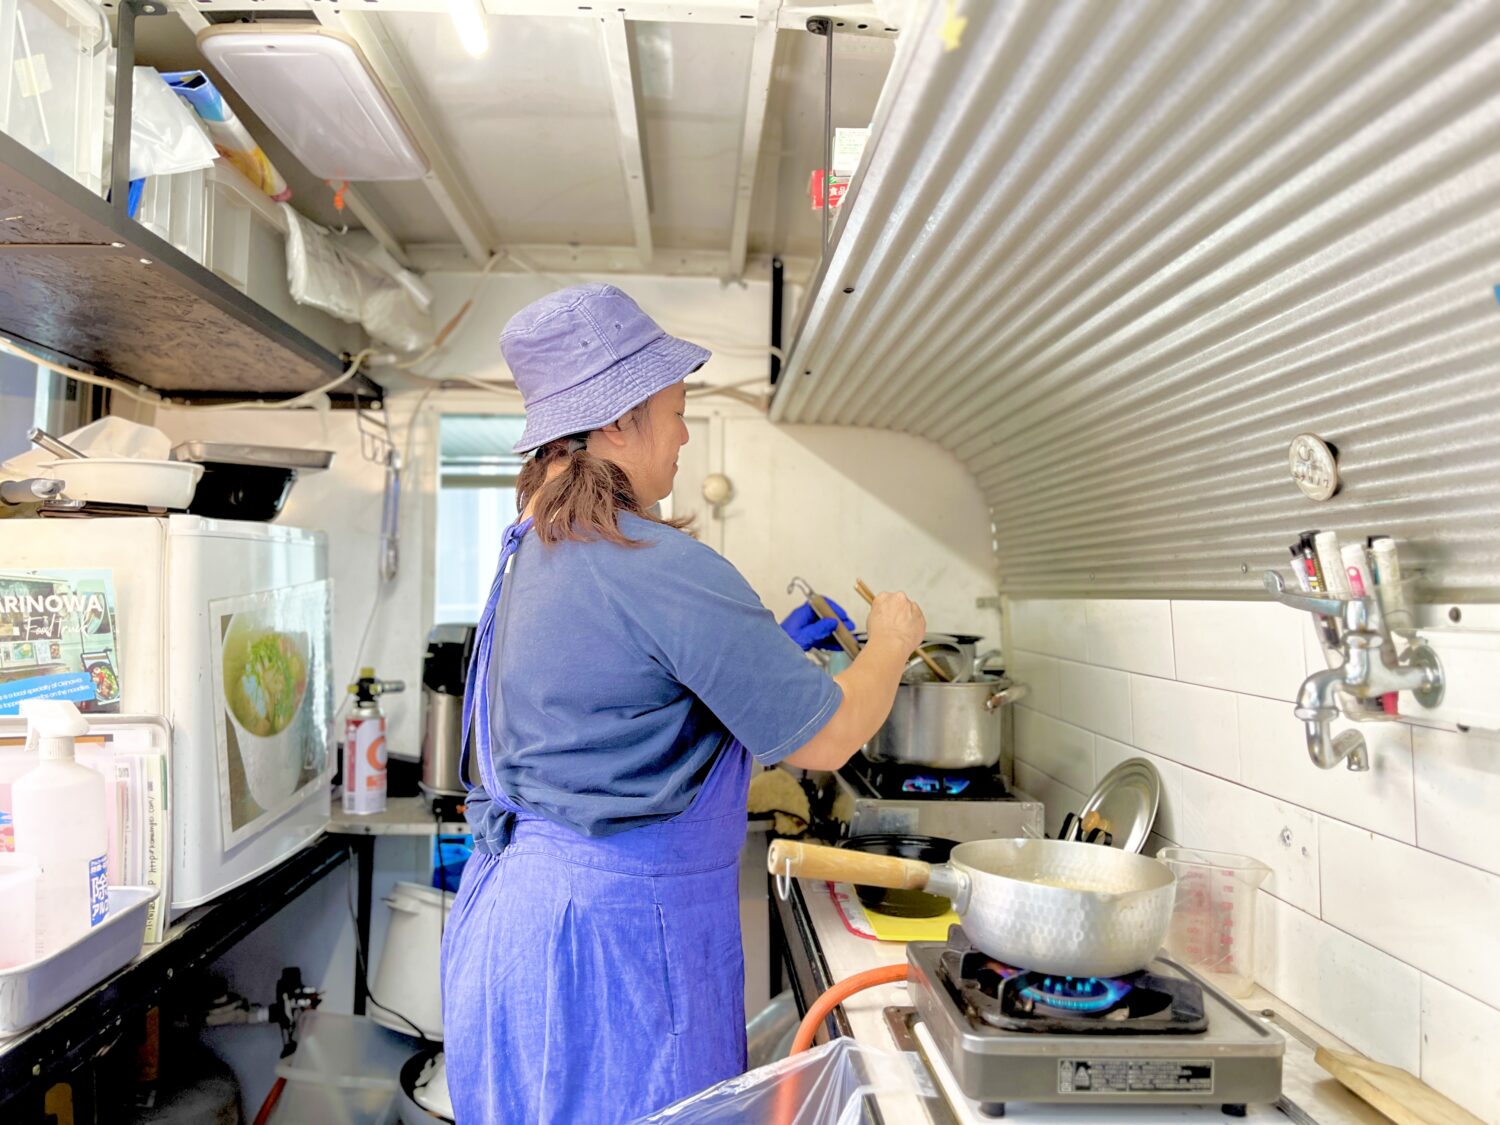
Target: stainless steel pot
946,726
1050,906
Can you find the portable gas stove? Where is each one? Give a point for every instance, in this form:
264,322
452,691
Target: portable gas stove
1159,1036
959,804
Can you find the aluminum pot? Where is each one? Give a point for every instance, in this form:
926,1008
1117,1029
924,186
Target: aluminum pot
946,726
1050,906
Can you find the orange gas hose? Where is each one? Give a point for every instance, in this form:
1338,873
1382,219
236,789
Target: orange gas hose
270,1103
870,978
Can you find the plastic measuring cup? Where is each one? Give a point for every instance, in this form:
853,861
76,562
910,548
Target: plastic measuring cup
1213,918
18,875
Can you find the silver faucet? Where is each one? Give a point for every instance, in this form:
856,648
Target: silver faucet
1356,628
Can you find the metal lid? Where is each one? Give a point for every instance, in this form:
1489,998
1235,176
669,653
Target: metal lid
1125,803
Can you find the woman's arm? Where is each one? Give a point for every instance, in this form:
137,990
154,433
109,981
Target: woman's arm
895,628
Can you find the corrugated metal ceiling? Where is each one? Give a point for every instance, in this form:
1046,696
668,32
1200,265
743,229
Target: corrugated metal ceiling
1115,257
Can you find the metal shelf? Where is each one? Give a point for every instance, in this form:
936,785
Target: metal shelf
92,1022
82,281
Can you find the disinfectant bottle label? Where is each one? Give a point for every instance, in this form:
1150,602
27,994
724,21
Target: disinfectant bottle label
98,890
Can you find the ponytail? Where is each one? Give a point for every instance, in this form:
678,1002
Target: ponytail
582,502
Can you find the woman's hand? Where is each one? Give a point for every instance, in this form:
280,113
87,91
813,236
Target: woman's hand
896,627
897,618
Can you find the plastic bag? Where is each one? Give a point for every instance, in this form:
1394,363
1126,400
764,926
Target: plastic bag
232,139
318,273
323,275
165,135
827,1085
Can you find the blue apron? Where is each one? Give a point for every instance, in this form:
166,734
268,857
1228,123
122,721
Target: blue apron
591,980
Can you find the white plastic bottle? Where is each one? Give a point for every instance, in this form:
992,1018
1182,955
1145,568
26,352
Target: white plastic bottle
59,810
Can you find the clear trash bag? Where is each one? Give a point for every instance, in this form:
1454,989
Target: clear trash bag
827,1085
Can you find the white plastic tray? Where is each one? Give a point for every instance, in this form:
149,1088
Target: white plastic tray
30,993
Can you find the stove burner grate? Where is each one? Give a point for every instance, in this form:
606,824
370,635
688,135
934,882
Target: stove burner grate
996,995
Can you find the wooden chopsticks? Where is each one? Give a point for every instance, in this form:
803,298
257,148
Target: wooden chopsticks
937,669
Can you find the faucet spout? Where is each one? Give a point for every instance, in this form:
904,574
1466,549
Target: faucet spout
1317,708
1326,752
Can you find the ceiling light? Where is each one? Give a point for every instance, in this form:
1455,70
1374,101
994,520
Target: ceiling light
472,25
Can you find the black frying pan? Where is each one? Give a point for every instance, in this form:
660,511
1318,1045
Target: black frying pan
902,903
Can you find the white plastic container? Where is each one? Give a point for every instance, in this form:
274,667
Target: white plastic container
18,874
409,977
127,480
345,1070
52,82
30,993
1213,918
60,814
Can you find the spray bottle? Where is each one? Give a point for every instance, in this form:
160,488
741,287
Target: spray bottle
364,745
59,810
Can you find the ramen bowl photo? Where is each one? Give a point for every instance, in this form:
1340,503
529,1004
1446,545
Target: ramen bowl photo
265,687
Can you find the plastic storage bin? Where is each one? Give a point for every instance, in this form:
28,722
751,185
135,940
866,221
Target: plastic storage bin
1213,918
18,909
52,82
30,993
345,1071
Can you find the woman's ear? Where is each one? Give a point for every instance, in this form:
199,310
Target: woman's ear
614,435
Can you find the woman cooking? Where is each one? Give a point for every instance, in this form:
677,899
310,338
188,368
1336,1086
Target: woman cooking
625,681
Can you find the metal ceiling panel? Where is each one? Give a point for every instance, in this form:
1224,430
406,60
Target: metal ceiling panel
1116,257
531,124
693,81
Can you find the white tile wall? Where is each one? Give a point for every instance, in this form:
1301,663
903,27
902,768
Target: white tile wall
1273,759
1134,635
1053,628
1057,748
1192,725
1390,876
1430,911
1460,1044
1330,972
1224,817
1098,698
1458,787
1251,647
1037,672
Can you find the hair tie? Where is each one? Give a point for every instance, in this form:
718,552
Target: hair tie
576,445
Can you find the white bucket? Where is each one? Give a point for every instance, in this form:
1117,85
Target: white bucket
408,979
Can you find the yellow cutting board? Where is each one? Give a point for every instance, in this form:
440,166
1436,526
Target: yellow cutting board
1401,1096
888,928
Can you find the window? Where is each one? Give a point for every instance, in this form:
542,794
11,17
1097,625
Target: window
476,503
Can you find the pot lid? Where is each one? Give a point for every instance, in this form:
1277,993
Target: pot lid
1124,803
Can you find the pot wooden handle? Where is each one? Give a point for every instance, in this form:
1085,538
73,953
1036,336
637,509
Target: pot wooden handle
843,865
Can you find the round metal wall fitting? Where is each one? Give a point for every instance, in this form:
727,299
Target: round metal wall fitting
1314,466
1422,656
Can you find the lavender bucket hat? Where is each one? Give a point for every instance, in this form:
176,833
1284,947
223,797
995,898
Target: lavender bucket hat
583,357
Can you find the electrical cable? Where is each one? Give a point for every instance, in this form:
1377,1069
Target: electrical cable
152,398
364,966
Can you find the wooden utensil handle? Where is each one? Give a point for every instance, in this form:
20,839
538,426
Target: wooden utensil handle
842,865
864,591
841,634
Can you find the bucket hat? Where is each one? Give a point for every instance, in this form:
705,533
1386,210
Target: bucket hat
583,357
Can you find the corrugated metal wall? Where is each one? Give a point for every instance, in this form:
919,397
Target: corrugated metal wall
1115,255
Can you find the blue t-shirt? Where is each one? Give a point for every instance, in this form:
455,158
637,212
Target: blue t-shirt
620,673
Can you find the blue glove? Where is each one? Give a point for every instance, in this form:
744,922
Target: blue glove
809,630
